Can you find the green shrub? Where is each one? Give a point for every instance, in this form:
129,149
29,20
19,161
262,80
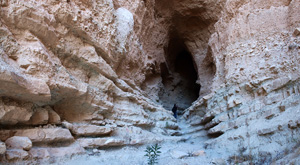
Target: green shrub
152,152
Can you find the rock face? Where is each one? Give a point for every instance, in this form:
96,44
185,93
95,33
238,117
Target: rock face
112,70
255,90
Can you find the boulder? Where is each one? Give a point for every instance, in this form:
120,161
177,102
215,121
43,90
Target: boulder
12,112
46,135
18,142
40,116
87,130
54,118
16,154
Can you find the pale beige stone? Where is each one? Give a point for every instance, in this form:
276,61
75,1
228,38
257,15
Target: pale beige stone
16,154
46,135
39,117
12,112
54,118
87,130
18,142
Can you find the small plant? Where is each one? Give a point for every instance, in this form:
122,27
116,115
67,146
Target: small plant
152,152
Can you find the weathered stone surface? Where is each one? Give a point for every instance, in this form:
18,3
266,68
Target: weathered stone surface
12,112
40,116
119,63
2,148
16,154
100,142
87,130
46,135
18,142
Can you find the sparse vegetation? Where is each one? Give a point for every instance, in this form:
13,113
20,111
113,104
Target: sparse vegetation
152,152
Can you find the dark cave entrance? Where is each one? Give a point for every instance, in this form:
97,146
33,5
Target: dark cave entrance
184,65
179,76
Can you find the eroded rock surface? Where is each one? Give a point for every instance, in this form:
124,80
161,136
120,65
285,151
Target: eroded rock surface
105,73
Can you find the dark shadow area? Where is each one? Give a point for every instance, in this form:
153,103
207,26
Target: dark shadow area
184,65
179,76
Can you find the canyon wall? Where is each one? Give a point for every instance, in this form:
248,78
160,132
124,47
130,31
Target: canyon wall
252,111
71,74
102,73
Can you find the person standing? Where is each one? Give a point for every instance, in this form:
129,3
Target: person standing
174,110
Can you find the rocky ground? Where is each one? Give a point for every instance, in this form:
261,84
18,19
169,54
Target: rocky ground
187,148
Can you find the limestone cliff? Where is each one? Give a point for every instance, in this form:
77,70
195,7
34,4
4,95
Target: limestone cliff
103,73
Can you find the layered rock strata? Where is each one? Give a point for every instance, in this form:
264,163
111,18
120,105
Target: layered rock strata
70,76
252,111
102,73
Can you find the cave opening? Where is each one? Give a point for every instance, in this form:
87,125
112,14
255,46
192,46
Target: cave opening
179,76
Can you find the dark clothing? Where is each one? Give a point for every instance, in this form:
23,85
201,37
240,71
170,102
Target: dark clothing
174,110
